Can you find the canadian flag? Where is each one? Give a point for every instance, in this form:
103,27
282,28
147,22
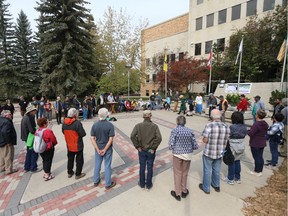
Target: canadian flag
209,61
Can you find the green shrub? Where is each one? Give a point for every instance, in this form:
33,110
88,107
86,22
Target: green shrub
233,99
276,94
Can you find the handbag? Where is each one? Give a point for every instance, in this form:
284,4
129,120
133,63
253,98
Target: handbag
30,140
228,157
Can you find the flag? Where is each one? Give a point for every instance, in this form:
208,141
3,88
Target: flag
281,53
239,51
209,60
165,64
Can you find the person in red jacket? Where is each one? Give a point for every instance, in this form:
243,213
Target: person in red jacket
243,104
48,154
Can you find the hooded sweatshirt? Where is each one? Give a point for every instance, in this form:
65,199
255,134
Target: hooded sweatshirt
73,132
257,134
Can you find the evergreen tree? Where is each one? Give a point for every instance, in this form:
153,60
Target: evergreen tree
65,47
25,55
8,81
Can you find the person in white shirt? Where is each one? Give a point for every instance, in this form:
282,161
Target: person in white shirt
199,101
110,98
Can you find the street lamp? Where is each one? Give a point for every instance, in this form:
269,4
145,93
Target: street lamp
128,67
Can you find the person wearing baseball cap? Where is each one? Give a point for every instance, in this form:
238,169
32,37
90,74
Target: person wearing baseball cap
257,106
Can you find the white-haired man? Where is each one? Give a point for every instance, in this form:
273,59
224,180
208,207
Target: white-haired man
74,132
102,135
215,137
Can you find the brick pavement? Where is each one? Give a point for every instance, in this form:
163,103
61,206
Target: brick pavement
81,196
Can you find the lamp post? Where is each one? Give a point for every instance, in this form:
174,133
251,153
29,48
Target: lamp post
128,67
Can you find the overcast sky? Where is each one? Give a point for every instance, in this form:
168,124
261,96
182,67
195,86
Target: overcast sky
156,11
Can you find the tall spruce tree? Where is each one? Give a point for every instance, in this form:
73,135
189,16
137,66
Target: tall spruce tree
65,47
8,81
25,55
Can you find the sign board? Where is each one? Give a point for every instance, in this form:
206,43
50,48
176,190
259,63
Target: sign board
232,88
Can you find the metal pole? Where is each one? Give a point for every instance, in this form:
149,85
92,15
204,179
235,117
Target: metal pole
239,73
166,84
284,66
128,83
210,74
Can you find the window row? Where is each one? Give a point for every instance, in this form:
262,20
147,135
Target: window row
251,9
160,60
208,46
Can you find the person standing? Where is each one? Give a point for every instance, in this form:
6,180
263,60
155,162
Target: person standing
258,104
199,101
8,138
36,104
223,106
277,107
146,138
284,112
28,125
58,106
9,106
41,110
183,105
212,103
76,104
191,106
66,106
48,110
242,106
74,132
23,104
152,101
85,108
102,135
238,131
176,99
47,156
215,138
158,101
182,142
257,142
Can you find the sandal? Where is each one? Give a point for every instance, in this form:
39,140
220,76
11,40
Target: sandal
49,178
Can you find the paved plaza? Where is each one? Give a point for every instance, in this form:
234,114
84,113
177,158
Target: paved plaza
28,194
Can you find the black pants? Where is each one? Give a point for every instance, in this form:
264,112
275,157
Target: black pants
47,157
58,117
79,162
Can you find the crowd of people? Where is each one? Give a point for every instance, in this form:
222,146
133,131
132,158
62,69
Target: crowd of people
146,137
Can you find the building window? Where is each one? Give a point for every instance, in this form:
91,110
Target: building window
199,2
147,62
251,8
147,78
154,78
221,44
147,92
161,60
181,56
154,61
210,20
198,49
268,5
199,22
208,46
172,57
284,2
222,15
167,59
236,12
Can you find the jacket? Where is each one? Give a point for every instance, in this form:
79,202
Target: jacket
28,125
7,132
49,138
257,134
146,135
73,132
242,105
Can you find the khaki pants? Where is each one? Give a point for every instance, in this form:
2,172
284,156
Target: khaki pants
283,148
6,158
180,169
175,106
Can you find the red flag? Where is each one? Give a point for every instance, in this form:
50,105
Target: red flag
209,60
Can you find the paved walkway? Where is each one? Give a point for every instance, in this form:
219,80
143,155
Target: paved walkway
28,194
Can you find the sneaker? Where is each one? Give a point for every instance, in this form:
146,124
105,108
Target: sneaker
238,181
80,176
149,188
184,195
70,174
111,186
254,173
230,182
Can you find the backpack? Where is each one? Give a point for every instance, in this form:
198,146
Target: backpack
39,144
277,137
228,157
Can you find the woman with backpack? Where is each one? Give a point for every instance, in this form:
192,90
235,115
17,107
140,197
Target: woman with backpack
50,141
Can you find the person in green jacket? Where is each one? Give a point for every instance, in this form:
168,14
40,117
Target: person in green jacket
183,105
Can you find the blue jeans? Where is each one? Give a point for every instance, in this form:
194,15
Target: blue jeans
152,104
85,111
274,152
31,160
234,171
146,159
208,165
107,162
257,154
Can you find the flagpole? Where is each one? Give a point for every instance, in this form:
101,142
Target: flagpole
210,74
239,73
284,66
165,84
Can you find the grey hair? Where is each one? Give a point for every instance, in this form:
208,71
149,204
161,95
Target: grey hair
72,112
103,113
181,120
215,114
285,101
5,112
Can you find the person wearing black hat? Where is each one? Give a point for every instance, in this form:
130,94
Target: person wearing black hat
257,106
